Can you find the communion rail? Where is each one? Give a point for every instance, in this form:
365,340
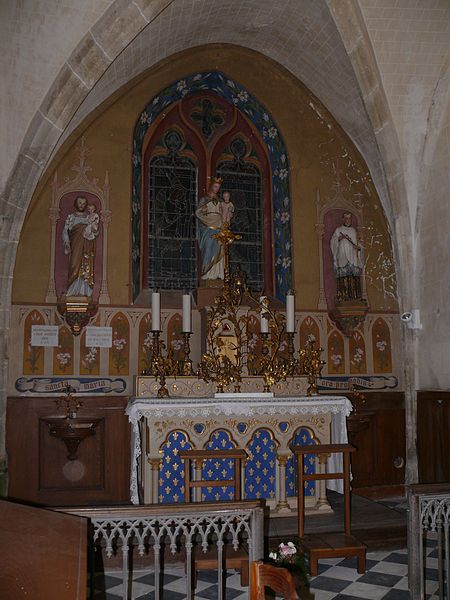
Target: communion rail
428,527
149,529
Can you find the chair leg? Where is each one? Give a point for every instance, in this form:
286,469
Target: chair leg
244,573
313,565
362,562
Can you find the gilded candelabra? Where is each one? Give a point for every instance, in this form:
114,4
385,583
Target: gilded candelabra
269,363
162,366
230,355
219,367
310,365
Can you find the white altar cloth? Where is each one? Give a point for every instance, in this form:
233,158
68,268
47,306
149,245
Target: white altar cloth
339,407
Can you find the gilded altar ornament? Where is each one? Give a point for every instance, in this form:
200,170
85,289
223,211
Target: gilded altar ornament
227,366
311,365
161,366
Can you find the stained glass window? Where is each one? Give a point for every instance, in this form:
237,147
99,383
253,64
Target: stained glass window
243,180
201,138
172,254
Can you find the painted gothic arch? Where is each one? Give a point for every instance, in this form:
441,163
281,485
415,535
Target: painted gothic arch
233,94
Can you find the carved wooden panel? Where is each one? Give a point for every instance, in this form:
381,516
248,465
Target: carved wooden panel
39,468
381,445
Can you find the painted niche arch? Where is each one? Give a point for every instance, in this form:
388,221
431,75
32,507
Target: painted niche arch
329,216
63,198
236,95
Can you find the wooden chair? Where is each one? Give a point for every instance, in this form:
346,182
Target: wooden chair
331,545
277,579
236,559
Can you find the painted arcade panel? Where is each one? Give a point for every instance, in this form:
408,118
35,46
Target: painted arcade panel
119,353
33,356
381,347
89,356
309,330
63,354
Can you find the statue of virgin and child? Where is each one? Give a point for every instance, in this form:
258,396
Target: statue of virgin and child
212,213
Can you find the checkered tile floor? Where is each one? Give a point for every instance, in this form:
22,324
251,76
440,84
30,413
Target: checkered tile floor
386,577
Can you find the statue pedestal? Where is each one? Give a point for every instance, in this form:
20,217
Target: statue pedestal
349,314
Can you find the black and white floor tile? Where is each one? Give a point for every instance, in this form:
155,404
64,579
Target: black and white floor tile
386,578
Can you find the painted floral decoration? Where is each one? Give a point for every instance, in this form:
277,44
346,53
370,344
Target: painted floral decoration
358,358
90,359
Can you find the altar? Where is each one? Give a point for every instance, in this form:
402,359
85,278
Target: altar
265,427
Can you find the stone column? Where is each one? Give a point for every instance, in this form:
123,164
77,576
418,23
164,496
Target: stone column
322,303
280,491
153,483
321,491
106,219
53,214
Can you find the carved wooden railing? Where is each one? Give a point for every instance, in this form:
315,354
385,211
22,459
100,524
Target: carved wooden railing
150,528
428,522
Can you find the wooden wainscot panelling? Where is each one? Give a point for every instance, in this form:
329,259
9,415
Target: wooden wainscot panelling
40,470
377,429
433,436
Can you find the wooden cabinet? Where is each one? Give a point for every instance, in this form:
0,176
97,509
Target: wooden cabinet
378,465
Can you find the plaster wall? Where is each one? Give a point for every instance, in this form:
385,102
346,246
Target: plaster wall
322,162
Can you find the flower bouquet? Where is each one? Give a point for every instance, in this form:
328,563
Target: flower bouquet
289,557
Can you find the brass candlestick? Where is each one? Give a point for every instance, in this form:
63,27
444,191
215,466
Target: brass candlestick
290,350
162,366
186,363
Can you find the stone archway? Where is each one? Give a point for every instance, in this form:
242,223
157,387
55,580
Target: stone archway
91,59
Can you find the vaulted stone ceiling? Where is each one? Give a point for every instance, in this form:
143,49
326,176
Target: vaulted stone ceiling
299,34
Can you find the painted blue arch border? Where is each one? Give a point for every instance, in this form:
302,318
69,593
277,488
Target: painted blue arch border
217,82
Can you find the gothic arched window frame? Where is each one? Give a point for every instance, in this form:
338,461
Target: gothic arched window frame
276,151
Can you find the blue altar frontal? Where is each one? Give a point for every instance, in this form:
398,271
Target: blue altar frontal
264,427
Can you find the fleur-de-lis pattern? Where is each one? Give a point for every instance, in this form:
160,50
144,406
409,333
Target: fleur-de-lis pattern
302,437
216,468
260,467
171,471
236,94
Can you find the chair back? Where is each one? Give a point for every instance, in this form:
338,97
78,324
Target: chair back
198,456
277,579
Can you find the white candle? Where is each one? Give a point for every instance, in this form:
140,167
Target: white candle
264,321
290,313
187,313
156,311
